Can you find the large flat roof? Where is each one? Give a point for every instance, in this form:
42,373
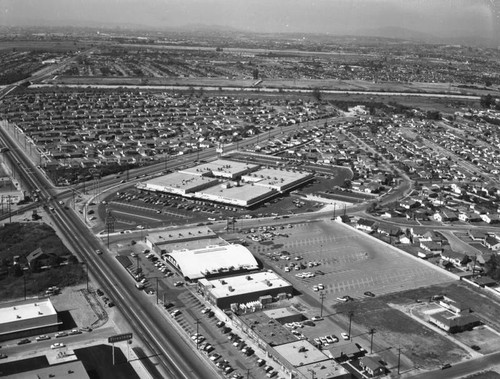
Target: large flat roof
270,330
244,193
198,263
247,283
301,353
28,310
276,178
180,181
323,370
72,370
222,167
173,236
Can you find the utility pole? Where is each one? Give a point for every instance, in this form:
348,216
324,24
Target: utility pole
322,296
350,314
10,213
334,205
157,293
371,332
197,330
474,266
399,358
110,223
24,279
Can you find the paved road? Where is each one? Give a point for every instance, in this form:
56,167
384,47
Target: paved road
461,370
266,89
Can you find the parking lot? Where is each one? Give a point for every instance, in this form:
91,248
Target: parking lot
338,261
133,209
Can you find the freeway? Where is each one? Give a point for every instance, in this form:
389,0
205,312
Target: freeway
268,90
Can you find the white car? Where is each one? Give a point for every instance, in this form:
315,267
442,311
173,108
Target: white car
175,313
57,345
344,336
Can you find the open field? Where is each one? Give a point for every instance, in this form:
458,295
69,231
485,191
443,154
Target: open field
421,346
20,239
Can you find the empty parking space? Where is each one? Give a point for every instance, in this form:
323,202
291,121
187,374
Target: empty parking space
344,262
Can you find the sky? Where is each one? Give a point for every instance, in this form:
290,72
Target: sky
444,18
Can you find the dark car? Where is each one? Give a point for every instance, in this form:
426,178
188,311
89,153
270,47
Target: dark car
3,356
24,341
447,365
475,347
370,294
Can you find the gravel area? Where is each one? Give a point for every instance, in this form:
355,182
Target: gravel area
84,307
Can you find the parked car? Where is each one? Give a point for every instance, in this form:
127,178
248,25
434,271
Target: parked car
42,338
57,345
215,356
24,341
369,294
175,313
344,336
3,356
61,334
261,362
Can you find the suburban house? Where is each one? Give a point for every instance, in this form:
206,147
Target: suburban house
371,366
366,225
38,259
454,306
431,246
477,235
492,243
457,258
490,218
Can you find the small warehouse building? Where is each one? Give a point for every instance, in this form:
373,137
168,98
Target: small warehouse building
166,240
242,289
452,323
302,360
27,318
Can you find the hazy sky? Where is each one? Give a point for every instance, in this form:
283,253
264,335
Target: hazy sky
437,17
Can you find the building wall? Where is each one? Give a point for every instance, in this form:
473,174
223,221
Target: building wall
225,302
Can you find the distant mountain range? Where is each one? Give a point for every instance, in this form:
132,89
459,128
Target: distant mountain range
412,35
389,32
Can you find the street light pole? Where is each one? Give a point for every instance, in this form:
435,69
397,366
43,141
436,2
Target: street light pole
351,314
399,358
371,332
197,329
322,296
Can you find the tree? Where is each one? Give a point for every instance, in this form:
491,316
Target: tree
316,92
486,101
492,267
